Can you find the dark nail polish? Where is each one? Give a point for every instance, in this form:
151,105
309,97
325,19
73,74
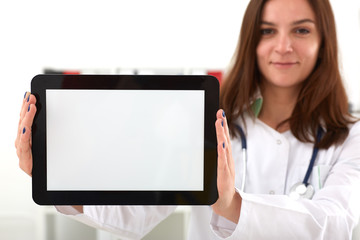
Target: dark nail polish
223,114
29,108
28,98
223,145
222,122
25,95
24,130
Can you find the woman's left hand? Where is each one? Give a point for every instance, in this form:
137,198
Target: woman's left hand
229,202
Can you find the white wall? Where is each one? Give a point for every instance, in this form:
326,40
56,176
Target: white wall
347,14
110,34
88,34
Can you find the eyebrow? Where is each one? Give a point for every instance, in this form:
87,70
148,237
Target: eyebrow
307,20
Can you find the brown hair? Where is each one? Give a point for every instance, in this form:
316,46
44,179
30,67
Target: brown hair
322,99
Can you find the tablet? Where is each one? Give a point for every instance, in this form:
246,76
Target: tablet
124,140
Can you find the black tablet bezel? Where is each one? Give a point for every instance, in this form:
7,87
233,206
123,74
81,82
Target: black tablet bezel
42,196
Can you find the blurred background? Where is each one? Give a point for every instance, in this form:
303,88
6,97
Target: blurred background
118,37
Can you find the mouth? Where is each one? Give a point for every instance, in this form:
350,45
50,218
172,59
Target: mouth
284,65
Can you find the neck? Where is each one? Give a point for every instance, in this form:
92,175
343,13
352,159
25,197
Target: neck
278,105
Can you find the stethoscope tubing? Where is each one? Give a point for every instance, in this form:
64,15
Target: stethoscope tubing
313,157
244,156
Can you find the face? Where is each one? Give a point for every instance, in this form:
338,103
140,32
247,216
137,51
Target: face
289,44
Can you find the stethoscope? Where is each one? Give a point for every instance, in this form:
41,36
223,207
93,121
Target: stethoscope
299,190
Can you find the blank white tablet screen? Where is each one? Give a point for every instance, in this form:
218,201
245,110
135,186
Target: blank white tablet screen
142,140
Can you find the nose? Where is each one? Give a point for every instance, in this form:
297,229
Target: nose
283,44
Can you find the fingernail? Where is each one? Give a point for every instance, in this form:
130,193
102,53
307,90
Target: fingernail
222,122
223,145
28,98
223,114
29,108
24,130
25,95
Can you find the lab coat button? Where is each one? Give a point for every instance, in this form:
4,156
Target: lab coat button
272,192
278,141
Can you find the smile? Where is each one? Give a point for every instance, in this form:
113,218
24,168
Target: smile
284,65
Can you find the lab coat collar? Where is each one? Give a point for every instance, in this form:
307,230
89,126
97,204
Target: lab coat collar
256,104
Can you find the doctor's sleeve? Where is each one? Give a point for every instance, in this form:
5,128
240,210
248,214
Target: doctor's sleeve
331,214
128,222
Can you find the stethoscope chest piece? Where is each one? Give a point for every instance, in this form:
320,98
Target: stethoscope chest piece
300,190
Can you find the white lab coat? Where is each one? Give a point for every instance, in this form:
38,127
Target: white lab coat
276,161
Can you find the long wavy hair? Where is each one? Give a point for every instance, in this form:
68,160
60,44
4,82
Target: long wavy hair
322,100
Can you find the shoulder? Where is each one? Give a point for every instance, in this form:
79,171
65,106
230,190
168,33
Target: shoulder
354,130
355,127
353,139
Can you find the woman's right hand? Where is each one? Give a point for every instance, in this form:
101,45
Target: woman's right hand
23,138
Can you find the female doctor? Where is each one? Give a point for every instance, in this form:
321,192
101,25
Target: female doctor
299,177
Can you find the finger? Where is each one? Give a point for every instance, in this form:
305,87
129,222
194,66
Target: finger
25,102
29,116
226,132
21,115
220,131
24,151
221,115
29,100
223,170
221,141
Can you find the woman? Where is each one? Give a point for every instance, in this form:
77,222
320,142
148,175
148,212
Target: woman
285,91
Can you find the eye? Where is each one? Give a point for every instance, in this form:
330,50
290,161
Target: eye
302,31
267,31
